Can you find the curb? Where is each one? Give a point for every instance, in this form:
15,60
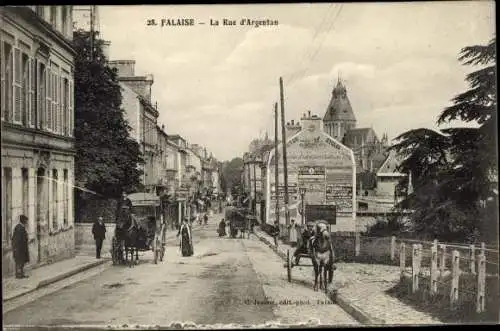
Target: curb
346,304
57,278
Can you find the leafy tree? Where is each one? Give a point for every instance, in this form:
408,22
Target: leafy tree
454,171
231,174
107,157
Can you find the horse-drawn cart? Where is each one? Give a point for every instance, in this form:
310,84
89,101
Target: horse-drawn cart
139,228
237,219
320,250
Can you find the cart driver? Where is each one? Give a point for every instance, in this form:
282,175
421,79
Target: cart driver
307,235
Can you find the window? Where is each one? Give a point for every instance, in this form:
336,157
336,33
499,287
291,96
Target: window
25,191
65,197
17,85
55,202
39,11
48,99
64,27
7,76
65,107
70,107
53,15
41,97
25,89
31,93
6,204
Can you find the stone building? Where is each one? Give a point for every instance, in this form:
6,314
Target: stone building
319,163
340,122
142,117
38,149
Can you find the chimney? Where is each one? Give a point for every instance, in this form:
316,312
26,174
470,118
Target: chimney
292,129
126,68
313,122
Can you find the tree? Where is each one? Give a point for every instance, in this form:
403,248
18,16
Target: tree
231,174
107,157
454,170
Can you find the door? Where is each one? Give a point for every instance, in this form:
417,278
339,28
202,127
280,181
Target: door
42,214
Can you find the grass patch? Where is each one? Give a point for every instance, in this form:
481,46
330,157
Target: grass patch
438,305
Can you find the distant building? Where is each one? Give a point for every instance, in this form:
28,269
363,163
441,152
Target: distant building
340,123
142,117
38,148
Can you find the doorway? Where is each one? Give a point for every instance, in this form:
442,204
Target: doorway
42,209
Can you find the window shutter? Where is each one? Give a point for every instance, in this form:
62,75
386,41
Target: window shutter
32,96
71,112
48,99
17,99
54,93
3,86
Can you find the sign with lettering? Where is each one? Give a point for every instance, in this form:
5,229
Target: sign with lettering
321,212
321,165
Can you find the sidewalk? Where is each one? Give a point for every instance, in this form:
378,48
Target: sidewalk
360,289
46,275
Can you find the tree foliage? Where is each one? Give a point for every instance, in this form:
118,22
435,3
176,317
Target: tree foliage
231,174
107,157
454,170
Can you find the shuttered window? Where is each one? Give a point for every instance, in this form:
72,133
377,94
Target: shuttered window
17,86
71,111
48,99
41,96
25,89
32,95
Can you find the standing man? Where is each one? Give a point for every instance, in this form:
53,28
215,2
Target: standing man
20,246
99,232
275,232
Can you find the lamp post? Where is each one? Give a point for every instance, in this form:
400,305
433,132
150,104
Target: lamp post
302,192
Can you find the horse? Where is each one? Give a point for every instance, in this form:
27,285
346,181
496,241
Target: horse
127,234
322,256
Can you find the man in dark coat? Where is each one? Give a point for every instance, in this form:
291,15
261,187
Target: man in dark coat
99,232
20,246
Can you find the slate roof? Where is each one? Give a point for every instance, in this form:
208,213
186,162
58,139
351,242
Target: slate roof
339,108
360,134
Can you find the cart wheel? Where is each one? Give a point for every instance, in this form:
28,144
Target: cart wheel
288,266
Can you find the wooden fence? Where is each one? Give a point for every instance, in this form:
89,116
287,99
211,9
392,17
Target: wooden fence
448,266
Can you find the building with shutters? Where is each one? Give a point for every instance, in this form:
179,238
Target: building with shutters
37,70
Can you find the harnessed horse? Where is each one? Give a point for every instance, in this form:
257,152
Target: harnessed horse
322,256
127,234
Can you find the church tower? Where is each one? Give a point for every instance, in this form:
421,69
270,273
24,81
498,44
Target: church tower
339,117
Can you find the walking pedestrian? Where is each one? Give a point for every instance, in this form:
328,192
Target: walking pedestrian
20,246
275,232
293,233
99,232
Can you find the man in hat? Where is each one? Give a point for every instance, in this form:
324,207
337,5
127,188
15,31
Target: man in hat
99,232
20,246
307,235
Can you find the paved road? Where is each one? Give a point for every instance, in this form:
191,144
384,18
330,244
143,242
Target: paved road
227,281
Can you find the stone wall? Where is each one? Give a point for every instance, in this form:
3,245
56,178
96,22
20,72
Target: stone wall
85,240
61,245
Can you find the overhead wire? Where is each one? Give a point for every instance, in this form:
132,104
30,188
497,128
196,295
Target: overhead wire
303,72
316,31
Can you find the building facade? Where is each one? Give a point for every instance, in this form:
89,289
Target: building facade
37,111
142,117
340,122
321,165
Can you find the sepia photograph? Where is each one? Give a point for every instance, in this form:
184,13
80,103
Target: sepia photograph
249,166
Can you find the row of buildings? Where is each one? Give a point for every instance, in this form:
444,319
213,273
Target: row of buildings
332,160
185,175
38,146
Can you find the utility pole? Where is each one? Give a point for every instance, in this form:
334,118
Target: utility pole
285,170
91,33
276,176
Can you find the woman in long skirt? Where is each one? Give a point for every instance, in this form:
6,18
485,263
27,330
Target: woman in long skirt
186,239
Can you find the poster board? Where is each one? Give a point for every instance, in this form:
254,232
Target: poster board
321,212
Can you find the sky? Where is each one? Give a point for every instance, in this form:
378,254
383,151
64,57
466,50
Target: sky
216,85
